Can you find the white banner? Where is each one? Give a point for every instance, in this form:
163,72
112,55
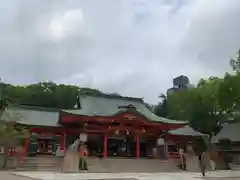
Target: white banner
1,150
160,141
83,137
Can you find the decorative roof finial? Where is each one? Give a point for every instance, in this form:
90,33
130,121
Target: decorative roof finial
46,85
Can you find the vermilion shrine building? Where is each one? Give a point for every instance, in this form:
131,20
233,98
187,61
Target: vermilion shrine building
115,126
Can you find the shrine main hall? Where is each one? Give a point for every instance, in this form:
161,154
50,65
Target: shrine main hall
114,126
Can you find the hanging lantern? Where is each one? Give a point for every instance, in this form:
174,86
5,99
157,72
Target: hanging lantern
117,132
83,137
85,124
143,130
1,150
127,132
160,141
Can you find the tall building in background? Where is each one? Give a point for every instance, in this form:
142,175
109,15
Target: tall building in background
179,83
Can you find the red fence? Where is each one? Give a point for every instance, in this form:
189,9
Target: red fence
173,155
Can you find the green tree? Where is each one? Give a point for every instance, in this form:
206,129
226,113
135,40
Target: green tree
10,137
199,106
45,94
212,102
90,91
161,109
181,104
229,93
235,63
229,90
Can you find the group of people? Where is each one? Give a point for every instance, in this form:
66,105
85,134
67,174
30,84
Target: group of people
201,161
183,165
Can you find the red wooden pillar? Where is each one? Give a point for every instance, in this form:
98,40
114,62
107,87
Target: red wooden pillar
166,149
137,146
27,142
105,147
63,142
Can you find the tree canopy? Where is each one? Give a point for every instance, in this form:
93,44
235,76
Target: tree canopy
207,105
10,136
198,105
47,94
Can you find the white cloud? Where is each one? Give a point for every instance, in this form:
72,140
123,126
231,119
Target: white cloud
66,24
131,47
213,35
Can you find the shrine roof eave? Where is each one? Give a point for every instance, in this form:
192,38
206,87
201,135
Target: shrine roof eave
69,117
30,116
147,114
186,131
229,131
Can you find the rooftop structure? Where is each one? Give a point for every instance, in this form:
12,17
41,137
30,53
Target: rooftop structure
179,83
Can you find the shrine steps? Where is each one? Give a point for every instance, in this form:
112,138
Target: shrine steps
117,165
40,163
100,165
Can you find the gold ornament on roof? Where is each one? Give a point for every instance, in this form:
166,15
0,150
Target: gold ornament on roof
129,116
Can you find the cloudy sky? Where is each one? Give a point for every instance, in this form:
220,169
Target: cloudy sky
133,47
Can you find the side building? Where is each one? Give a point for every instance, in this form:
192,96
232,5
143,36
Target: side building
227,141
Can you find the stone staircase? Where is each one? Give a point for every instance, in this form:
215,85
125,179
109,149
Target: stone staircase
192,164
98,165
116,165
234,166
40,163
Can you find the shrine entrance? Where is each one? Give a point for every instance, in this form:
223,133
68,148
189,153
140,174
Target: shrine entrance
117,146
45,146
124,146
120,145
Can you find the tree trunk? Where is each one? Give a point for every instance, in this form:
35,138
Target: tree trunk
209,140
5,157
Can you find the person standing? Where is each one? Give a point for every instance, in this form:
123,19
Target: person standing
83,156
183,159
202,163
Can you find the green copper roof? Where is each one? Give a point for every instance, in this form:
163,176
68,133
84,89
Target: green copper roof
229,131
91,105
108,105
186,131
30,115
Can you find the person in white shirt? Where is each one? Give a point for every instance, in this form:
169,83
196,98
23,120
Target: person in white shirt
182,158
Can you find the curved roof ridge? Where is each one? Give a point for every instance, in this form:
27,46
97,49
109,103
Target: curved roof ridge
36,108
112,96
186,131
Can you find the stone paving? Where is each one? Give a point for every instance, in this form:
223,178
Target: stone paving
218,175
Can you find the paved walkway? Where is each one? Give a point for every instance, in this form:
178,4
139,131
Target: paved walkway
219,175
6,175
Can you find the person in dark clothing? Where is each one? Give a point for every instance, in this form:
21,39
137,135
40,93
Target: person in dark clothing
202,163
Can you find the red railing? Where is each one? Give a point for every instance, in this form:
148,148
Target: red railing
174,155
19,155
12,151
